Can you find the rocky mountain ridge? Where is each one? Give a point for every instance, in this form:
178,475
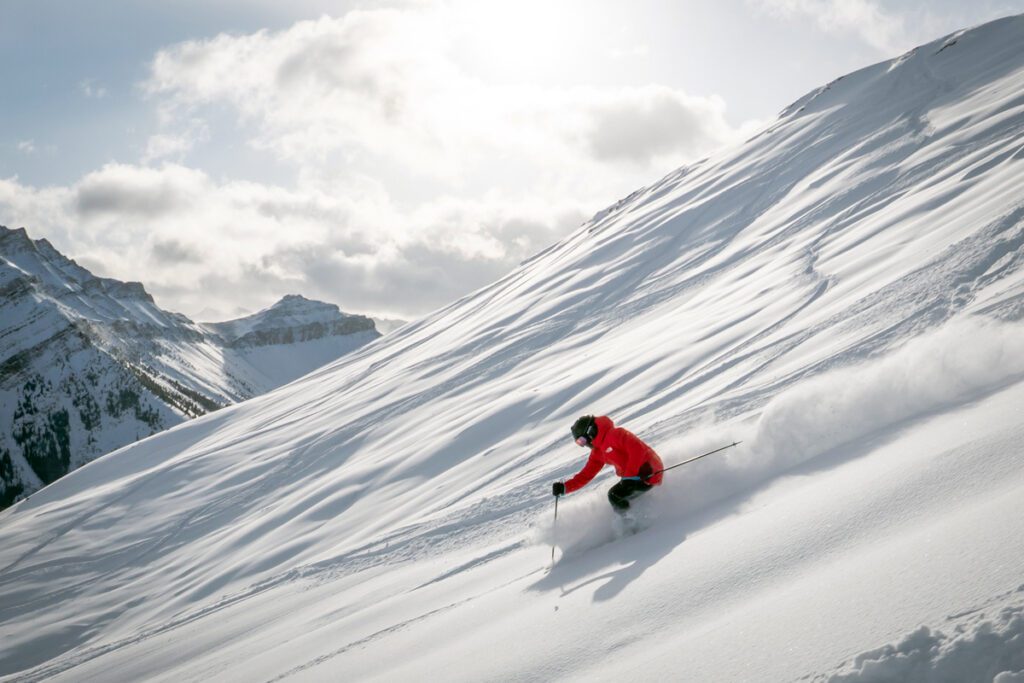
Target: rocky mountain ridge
89,364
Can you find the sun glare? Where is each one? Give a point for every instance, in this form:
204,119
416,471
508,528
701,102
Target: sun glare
520,41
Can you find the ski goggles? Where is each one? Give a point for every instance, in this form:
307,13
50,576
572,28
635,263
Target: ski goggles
582,441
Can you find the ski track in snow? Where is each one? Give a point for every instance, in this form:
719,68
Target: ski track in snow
843,293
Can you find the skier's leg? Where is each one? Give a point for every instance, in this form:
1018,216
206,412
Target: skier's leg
620,494
618,497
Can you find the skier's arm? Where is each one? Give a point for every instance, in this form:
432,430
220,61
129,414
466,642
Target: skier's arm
584,476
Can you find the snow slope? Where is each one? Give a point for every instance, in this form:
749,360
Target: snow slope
843,293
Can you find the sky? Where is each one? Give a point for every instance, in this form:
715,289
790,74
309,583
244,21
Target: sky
388,157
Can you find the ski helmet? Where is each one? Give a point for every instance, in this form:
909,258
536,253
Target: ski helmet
584,428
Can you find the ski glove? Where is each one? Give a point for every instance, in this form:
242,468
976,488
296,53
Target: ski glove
558,488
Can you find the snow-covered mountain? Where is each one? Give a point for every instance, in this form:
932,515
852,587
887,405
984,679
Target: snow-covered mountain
843,293
90,364
291,338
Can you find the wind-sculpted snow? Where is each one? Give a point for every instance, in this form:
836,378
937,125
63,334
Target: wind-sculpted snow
842,293
985,645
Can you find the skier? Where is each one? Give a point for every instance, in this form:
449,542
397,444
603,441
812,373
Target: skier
634,461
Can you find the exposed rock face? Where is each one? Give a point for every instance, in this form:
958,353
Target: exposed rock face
89,364
293,319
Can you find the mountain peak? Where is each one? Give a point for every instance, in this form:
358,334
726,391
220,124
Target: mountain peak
75,287
292,318
294,303
292,299
20,237
14,238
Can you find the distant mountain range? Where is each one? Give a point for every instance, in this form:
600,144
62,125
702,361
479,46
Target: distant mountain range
89,364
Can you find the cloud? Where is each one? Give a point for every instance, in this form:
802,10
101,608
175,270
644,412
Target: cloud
385,85
173,252
644,123
38,209
27,147
199,243
415,181
458,246
885,31
91,89
368,81
129,191
176,144
634,51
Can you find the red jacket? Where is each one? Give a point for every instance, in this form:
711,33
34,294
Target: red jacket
620,448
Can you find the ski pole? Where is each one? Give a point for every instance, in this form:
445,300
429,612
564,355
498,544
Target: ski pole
554,527
686,462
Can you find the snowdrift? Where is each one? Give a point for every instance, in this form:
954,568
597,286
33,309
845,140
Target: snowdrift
843,293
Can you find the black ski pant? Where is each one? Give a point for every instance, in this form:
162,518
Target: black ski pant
620,494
